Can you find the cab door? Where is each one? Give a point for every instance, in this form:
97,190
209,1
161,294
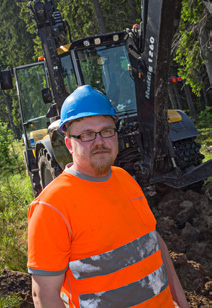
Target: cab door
30,80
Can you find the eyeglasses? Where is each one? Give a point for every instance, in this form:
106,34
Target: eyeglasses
89,136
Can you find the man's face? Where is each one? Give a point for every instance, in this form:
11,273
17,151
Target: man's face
94,157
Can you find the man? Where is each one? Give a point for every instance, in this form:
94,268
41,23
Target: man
91,231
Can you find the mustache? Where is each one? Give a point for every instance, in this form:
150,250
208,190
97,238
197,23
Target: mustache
100,148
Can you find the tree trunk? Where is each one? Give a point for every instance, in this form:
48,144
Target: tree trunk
208,61
179,105
132,17
171,96
99,16
190,102
204,97
204,38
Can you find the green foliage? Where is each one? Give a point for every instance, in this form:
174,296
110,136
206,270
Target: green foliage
205,129
205,118
35,43
15,40
5,140
82,18
10,160
13,301
205,139
189,53
15,49
16,116
15,195
120,15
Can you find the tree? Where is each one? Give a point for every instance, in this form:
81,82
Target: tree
6,155
99,16
15,49
191,44
16,42
121,14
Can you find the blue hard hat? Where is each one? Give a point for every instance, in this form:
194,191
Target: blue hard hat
84,102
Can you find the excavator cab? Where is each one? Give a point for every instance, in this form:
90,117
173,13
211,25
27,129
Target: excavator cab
106,68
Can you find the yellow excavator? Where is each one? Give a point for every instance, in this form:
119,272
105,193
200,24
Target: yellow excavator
156,146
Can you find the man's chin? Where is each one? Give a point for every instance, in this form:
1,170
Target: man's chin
102,169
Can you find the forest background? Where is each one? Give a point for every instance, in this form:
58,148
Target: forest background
191,59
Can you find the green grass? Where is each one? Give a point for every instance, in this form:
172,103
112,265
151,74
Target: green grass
204,127
205,139
15,195
12,301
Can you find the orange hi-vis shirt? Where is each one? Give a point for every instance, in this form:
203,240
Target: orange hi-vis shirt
101,233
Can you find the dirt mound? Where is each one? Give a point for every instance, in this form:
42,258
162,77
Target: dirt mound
185,223
17,282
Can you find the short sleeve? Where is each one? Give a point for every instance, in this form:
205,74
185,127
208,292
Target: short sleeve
49,240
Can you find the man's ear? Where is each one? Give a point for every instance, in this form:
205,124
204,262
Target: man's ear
68,144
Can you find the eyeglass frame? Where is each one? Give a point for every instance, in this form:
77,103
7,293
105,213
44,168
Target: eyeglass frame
79,136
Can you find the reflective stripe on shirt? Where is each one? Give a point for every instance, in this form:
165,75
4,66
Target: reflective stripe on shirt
140,291
117,259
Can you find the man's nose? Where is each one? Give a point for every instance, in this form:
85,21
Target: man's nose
99,139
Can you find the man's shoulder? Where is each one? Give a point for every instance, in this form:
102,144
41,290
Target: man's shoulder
56,190
124,175
121,171
127,181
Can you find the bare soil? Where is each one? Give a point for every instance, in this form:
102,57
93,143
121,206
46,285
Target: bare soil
185,223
